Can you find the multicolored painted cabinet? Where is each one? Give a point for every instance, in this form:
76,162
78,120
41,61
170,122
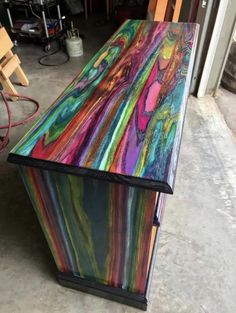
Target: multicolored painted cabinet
98,163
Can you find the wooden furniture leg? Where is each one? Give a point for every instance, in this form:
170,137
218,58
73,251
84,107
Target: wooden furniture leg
18,71
21,76
151,9
160,10
91,6
178,5
8,87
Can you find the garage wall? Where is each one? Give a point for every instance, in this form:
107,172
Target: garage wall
222,47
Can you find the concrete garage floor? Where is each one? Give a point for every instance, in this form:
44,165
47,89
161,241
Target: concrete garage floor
226,101
195,269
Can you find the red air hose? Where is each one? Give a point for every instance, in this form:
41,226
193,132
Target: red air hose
10,124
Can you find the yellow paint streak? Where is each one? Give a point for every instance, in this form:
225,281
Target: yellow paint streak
99,60
167,52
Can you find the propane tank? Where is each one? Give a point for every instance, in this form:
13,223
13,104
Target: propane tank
74,44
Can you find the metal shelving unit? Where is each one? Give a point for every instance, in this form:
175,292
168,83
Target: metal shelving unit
36,13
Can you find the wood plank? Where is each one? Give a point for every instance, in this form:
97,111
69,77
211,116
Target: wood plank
10,66
160,10
5,42
178,5
21,76
151,9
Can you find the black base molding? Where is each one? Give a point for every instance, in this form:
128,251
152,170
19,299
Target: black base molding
116,294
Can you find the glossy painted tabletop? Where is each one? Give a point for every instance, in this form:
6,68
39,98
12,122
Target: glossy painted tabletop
123,115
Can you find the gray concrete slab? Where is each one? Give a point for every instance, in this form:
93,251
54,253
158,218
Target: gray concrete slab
226,101
195,269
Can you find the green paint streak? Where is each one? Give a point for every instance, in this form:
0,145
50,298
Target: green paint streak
84,224
68,222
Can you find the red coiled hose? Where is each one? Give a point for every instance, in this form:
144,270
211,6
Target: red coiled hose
4,96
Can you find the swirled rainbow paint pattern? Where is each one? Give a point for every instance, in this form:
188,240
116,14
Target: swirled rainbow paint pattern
124,112
96,230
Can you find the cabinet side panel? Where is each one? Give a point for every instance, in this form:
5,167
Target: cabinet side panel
96,230
46,213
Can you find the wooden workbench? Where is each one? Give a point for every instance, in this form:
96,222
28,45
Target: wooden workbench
98,163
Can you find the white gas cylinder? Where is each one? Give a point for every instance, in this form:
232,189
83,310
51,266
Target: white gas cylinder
74,44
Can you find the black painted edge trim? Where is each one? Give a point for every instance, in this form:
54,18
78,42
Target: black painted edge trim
107,292
81,171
